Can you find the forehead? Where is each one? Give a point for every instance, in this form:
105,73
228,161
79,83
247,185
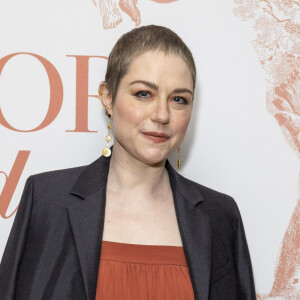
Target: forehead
160,67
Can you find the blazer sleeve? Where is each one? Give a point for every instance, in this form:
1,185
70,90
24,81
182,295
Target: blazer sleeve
245,279
14,249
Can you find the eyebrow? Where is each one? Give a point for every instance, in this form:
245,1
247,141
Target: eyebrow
155,87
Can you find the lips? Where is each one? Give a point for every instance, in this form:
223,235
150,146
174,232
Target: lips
156,137
156,134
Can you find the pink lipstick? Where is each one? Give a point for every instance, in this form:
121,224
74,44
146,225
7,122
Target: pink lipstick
156,137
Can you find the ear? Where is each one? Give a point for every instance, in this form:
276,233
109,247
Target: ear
105,97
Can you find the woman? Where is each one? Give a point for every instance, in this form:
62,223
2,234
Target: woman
128,226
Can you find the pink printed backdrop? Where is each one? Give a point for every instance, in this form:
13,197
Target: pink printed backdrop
53,55
277,44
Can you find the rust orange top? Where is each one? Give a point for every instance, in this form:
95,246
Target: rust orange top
147,272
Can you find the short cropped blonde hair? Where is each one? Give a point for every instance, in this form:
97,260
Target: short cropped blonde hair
137,41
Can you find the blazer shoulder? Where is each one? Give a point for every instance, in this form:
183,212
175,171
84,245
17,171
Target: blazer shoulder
65,174
52,187
214,199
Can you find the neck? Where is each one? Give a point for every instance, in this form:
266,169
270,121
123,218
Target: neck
134,177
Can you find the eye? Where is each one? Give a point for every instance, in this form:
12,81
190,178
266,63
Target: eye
180,100
142,94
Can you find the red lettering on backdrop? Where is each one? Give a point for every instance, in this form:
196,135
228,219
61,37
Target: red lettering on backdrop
11,182
56,92
82,94
56,99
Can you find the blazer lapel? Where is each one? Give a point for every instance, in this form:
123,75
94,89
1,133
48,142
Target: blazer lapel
195,230
87,223
87,220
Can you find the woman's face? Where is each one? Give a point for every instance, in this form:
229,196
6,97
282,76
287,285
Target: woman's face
154,97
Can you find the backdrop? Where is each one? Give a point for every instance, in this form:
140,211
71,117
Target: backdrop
243,138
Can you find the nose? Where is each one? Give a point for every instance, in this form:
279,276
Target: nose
161,111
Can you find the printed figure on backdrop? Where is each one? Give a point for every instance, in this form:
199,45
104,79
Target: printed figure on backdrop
277,45
111,15
129,225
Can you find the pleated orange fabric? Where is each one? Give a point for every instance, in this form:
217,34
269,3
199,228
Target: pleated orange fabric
143,272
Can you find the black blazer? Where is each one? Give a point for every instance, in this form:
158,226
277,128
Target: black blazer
53,249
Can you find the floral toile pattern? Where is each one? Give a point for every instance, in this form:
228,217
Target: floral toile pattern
277,44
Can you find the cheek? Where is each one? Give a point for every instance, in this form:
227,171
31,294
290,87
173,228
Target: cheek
129,114
182,123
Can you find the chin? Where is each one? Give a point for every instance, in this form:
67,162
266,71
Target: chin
153,156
